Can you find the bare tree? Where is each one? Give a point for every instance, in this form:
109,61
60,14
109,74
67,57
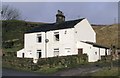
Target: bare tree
10,13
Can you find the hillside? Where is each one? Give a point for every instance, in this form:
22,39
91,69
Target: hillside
107,34
13,31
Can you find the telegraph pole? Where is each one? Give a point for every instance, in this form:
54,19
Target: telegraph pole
112,54
111,64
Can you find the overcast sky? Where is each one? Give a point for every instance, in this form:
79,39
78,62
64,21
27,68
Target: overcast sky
95,12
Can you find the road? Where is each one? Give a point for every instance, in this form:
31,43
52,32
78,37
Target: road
11,72
67,72
77,71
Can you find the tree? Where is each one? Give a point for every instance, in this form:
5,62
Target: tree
10,13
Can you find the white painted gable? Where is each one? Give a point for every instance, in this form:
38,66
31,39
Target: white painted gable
84,31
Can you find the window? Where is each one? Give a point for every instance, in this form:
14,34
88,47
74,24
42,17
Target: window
56,52
56,36
65,32
68,50
80,51
23,55
39,38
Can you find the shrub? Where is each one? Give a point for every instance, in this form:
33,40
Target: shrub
44,63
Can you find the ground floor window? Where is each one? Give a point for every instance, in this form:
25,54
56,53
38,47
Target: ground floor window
80,51
68,50
56,52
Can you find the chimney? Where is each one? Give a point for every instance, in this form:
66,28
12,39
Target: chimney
60,17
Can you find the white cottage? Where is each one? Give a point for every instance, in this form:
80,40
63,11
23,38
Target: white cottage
61,39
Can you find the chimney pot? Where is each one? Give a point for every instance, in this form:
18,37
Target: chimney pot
60,17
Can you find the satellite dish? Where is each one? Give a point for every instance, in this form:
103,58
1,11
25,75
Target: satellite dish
46,40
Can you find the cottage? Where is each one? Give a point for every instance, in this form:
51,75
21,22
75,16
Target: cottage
62,38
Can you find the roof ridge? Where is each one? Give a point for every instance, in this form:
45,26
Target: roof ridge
55,26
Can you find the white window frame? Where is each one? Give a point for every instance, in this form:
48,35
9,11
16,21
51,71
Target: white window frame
56,52
55,38
39,35
68,50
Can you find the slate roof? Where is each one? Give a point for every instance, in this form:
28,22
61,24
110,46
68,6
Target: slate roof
95,44
55,26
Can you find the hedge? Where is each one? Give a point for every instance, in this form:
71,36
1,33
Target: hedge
44,63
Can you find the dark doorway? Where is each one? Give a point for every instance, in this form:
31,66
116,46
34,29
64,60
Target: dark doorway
39,54
80,51
23,55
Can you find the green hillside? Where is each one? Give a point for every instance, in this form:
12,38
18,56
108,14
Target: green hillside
13,34
14,29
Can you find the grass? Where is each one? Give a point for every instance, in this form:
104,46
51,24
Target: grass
14,49
107,72
103,72
47,70
107,34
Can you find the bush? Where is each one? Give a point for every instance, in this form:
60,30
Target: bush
45,63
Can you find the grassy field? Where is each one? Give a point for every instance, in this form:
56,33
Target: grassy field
106,69
107,72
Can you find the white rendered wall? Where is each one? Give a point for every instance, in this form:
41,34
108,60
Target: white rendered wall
108,52
19,53
95,56
87,49
65,41
102,51
92,52
31,45
84,31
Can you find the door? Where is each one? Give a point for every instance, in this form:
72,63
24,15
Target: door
23,55
39,54
80,51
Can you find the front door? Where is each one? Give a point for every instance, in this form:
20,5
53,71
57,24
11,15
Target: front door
39,54
23,55
80,51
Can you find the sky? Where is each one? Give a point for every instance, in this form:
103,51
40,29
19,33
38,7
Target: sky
95,12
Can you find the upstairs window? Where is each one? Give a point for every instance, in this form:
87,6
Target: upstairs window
39,38
56,36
